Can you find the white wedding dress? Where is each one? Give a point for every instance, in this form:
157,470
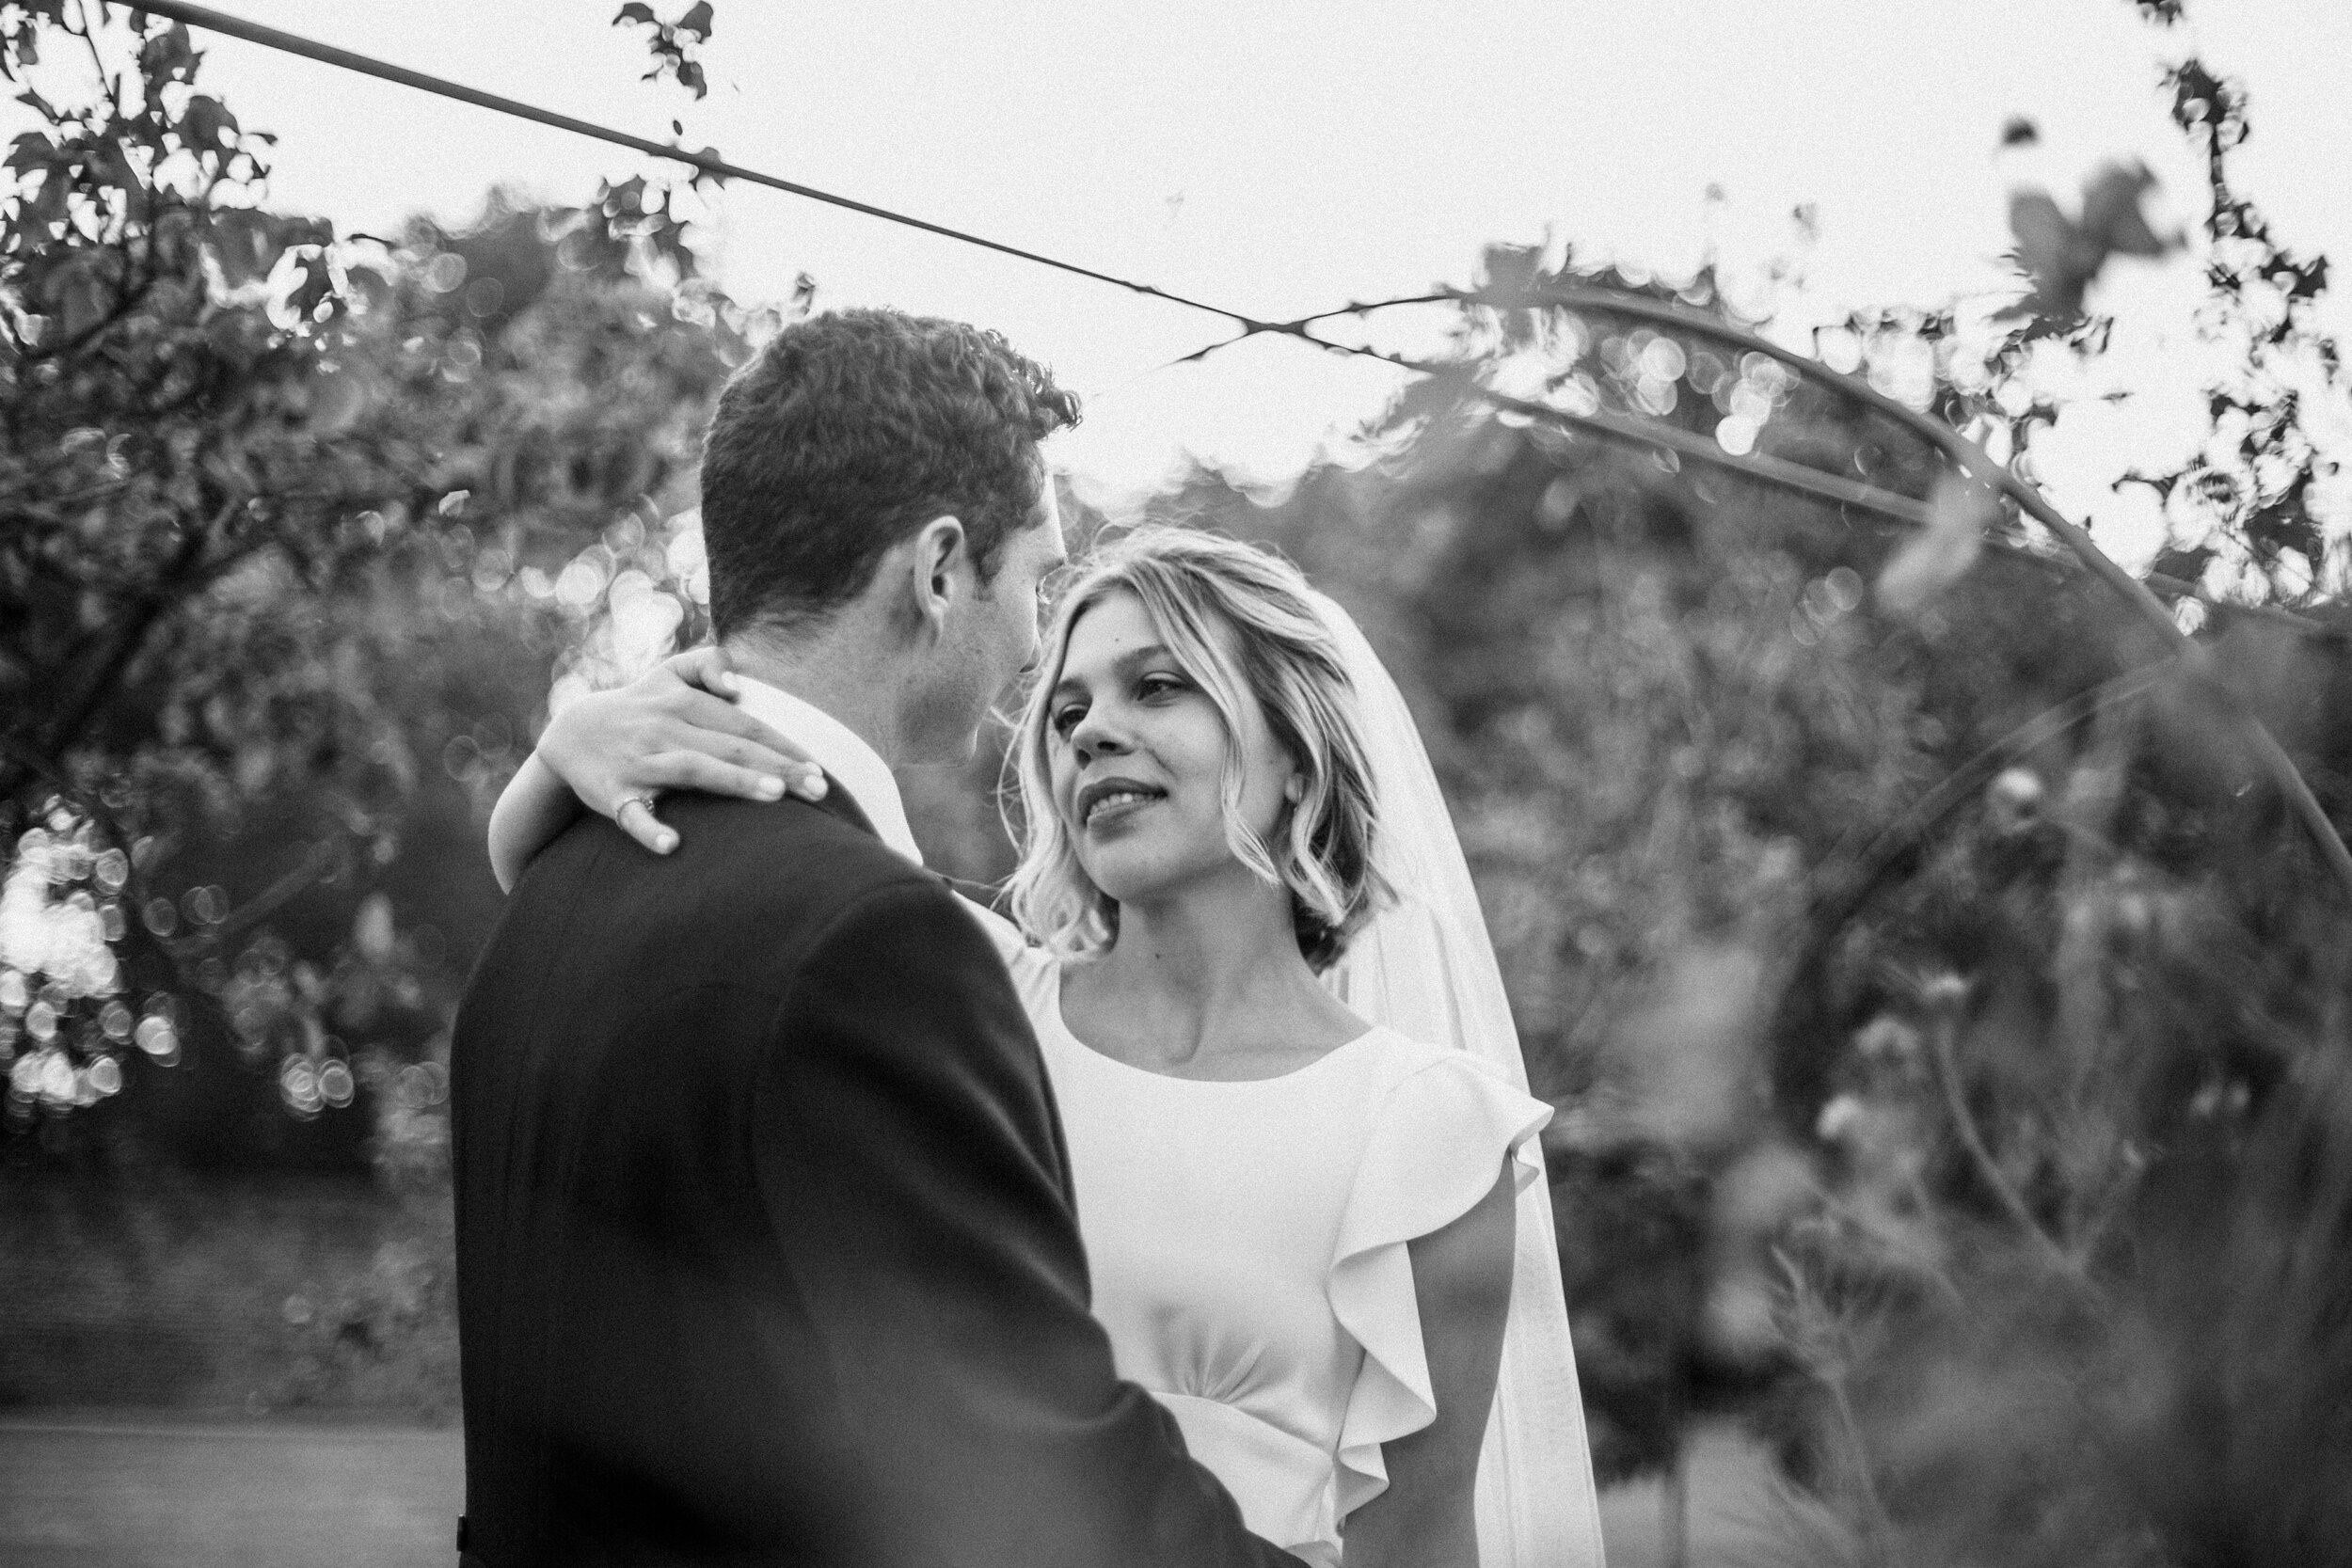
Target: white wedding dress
1247,1240
1246,1243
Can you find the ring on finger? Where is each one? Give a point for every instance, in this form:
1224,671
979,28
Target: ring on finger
644,800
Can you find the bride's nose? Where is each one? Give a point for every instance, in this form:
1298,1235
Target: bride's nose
1096,735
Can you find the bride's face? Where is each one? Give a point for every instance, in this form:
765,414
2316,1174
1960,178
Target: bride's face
1136,755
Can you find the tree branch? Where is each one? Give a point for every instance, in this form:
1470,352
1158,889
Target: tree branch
88,696
314,866
1963,454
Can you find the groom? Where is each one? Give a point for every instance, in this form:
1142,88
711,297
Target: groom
766,1251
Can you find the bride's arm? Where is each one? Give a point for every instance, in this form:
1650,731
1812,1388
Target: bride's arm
671,728
1427,1517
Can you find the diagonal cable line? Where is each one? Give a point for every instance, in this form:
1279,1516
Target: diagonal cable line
1794,476
1963,454
293,43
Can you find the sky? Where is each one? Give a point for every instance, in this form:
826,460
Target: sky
1285,156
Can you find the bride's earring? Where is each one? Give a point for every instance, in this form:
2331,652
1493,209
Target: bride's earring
1295,790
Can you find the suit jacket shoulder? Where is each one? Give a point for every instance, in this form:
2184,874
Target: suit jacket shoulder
766,1250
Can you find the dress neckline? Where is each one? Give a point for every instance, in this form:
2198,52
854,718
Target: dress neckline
1061,1027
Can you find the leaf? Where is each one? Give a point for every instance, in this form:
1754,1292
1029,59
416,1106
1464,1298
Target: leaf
696,20
316,288
2111,216
629,195
48,206
30,151
2061,256
247,243
1940,554
636,11
77,294
2285,523
302,230
2309,281
109,166
2179,565
369,284
2052,252
207,125
2020,132
1510,271
169,55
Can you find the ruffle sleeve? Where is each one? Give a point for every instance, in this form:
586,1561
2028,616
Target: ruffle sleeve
1436,1140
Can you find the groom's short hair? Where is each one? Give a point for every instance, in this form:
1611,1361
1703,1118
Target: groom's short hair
848,431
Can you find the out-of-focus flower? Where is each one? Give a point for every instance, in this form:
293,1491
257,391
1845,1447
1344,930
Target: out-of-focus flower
2013,799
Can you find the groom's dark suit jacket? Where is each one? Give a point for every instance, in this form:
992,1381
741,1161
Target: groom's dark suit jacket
766,1251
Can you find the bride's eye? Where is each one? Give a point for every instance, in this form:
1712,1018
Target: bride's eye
1065,718
1161,686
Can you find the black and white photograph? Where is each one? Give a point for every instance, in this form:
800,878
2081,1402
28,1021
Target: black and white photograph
1515,785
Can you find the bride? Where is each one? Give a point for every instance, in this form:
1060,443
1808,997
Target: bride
1310,1188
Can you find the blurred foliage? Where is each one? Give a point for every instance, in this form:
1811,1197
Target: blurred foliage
226,1293
292,525
672,44
2245,499
1947,1015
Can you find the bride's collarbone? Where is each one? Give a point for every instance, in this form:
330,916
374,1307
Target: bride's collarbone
1269,1040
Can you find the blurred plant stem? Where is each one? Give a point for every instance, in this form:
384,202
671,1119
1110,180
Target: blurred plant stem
1674,1507
1944,999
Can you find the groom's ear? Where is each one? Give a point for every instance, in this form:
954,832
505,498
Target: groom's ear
933,563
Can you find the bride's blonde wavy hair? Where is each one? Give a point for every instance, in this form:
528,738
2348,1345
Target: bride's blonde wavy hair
1241,623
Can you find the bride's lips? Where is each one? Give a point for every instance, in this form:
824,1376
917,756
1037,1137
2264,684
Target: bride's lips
1109,802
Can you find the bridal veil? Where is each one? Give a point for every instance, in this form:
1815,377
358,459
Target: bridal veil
1425,967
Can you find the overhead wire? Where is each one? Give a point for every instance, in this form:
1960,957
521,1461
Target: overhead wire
709,162
1957,448
1768,470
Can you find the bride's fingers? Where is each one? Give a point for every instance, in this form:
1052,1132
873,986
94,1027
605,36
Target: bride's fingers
729,733
685,759
707,668
712,776
676,744
635,818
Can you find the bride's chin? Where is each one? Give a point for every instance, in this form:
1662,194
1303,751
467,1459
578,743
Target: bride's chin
1126,878
1117,883
1163,880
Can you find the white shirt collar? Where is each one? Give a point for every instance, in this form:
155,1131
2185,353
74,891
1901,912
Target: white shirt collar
840,751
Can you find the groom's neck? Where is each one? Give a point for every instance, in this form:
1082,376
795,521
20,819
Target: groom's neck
839,672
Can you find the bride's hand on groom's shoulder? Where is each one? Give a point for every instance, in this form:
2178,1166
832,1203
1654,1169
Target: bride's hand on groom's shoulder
675,727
